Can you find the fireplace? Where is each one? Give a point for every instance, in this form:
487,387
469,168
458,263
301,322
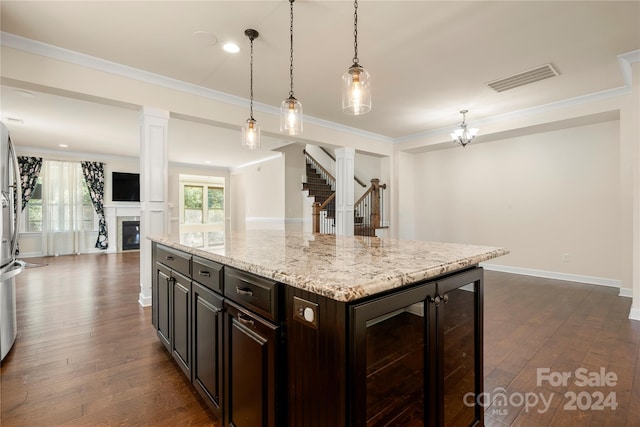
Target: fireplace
130,235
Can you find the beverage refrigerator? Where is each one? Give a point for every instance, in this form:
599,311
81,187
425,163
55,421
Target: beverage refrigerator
10,267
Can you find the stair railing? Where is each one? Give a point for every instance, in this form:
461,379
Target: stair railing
323,224
369,215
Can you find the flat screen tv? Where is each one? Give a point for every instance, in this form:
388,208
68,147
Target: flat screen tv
125,187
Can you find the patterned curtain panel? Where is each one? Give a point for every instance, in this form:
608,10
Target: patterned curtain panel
94,177
29,172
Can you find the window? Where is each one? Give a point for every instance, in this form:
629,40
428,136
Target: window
202,211
60,210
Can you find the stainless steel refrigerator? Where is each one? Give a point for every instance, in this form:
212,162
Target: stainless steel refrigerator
10,267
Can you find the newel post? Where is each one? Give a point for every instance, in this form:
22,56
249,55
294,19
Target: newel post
375,208
316,217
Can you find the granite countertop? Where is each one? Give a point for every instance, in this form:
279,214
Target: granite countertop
343,268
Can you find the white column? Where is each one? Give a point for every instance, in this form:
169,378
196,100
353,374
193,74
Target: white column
154,130
634,135
344,191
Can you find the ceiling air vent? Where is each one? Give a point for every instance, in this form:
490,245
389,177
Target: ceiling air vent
524,78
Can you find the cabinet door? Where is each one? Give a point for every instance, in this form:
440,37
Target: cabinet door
389,360
206,333
459,332
181,322
161,304
251,392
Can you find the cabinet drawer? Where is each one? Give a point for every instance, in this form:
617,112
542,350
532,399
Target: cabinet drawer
253,292
174,259
208,273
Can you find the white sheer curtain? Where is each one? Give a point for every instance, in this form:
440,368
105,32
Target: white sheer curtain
63,209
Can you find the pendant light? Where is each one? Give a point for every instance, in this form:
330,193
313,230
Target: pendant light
356,82
251,128
463,135
291,109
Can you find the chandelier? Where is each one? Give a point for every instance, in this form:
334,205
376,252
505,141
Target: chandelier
462,134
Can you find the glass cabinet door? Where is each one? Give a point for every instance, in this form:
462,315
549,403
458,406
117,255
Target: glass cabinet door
416,355
389,356
460,354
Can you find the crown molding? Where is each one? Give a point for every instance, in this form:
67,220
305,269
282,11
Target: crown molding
625,62
71,156
88,61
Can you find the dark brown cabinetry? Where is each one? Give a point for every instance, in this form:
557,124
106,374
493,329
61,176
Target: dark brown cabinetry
207,346
228,348
170,299
181,321
263,354
417,353
161,297
405,358
251,366
252,341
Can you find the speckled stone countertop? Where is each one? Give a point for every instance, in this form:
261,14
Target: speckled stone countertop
343,268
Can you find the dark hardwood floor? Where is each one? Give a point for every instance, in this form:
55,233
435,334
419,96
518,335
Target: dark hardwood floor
86,353
532,323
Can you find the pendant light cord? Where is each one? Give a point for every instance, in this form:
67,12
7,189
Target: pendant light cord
291,49
355,32
251,81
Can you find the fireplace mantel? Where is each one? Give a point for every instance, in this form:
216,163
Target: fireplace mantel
114,214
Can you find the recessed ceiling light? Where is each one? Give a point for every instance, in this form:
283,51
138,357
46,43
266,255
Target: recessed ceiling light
63,145
205,38
231,47
208,162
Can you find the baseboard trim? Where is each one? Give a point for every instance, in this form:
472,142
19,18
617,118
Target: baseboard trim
144,301
634,314
265,219
592,280
627,293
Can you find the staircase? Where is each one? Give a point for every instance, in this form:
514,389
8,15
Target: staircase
320,190
320,185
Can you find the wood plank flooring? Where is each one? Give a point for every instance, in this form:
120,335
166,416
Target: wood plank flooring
86,353
532,323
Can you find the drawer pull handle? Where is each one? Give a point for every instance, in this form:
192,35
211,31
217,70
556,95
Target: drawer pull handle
170,258
204,273
244,291
246,320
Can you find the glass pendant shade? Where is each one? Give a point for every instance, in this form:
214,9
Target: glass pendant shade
356,91
251,134
291,117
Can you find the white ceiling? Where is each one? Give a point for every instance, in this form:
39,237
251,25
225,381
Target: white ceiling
428,60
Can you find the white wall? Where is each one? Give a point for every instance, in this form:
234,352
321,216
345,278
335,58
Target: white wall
258,195
541,196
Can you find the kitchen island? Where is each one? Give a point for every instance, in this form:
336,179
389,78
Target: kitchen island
291,329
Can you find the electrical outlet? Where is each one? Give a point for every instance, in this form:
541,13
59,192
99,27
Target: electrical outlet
305,312
565,257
